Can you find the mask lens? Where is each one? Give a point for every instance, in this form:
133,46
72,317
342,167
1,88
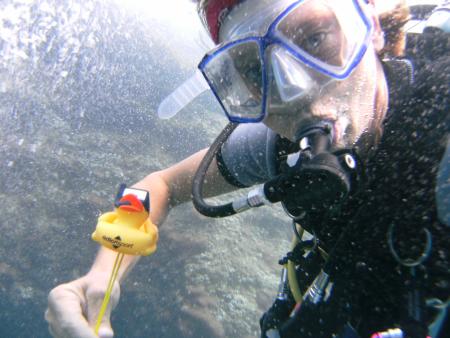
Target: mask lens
327,34
235,75
289,78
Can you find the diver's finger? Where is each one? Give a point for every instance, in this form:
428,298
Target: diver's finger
65,313
52,333
47,316
77,327
71,329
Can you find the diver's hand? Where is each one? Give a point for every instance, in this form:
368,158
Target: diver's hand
73,308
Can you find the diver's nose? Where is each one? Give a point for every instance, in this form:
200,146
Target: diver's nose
290,75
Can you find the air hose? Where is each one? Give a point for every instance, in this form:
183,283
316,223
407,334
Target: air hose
197,184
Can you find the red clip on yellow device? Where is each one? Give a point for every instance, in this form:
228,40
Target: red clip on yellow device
126,230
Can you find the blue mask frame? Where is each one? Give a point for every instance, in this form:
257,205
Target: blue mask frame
271,38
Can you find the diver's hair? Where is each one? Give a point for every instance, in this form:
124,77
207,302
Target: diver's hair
392,21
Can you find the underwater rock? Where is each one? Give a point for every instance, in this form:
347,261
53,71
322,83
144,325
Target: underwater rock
80,82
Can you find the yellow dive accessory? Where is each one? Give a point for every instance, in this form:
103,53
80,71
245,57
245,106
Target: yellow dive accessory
126,230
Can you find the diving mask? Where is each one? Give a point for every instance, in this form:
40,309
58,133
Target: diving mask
288,50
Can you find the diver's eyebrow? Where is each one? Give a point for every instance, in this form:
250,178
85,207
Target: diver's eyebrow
303,25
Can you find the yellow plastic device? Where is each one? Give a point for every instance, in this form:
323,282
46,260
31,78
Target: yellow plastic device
126,230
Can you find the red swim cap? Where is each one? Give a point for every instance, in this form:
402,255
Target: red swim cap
213,12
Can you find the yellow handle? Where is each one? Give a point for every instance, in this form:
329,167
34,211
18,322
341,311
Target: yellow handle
112,279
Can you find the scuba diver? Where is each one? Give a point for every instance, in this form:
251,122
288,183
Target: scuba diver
335,114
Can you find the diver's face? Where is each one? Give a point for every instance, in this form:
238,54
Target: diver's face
348,103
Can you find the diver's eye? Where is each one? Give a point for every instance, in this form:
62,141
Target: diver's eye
313,42
253,75
250,103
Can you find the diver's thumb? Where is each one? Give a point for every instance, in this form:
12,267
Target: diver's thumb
105,331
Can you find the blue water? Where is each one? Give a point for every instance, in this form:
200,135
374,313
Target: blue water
80,82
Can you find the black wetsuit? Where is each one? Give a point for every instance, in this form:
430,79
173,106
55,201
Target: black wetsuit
397,193
370,288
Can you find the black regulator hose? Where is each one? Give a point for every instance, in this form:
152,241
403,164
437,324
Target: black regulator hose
197,184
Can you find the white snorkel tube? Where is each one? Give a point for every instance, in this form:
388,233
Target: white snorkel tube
182,96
